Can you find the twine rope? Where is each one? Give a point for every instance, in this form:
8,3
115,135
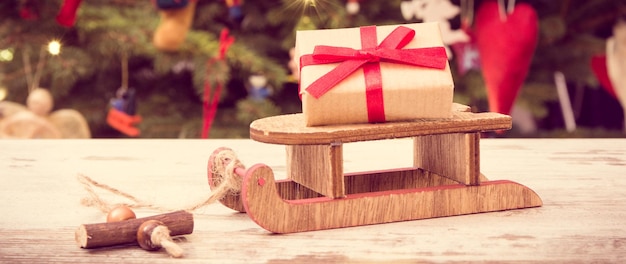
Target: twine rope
225,182
161,237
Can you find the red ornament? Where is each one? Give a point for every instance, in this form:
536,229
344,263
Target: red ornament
506,44
598,65
352,7
67,14
29,10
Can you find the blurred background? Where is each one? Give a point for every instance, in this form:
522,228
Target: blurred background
207,68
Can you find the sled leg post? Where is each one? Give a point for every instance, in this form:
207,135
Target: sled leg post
318,167
455,156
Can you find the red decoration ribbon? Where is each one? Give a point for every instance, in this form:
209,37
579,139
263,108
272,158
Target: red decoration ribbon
368,57
209,110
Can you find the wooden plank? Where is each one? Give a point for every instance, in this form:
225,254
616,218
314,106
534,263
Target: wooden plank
291,130
359,182
318,167
371,181
267,209
393,179
455,156
581,182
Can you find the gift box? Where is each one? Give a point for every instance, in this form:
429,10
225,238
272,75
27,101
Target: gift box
374,74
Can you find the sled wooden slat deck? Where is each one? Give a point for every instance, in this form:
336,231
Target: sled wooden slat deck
290,129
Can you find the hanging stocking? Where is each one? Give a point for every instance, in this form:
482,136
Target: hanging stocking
506,41
210,101
67,14
176,18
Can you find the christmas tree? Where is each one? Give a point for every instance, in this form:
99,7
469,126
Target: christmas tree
108,44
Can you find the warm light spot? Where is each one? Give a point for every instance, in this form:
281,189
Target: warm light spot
3,93
54,47
6,55
310,2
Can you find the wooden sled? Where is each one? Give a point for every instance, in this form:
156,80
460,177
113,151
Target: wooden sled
123,122
445,179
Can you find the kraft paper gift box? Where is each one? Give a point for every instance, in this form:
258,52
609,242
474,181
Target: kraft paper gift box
374,74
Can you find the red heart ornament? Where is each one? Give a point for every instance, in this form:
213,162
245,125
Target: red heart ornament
506,47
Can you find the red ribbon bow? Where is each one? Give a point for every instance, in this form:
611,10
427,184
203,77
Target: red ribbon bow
389,50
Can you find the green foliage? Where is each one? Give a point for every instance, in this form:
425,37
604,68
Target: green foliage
249,110
105,29
470,88
109,30
66,69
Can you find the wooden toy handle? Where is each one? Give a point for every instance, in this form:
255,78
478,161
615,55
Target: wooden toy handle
124,232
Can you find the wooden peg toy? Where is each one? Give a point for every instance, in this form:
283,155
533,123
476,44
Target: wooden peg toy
125,232
445,179
154,235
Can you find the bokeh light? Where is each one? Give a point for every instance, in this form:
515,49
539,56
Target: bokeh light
6,55
54,47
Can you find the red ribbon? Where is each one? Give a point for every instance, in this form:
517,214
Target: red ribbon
209,110
368,57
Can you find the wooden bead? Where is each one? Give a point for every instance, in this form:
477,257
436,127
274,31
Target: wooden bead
153,235
120,213
144,234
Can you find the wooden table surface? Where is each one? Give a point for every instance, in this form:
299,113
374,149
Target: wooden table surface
582,183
